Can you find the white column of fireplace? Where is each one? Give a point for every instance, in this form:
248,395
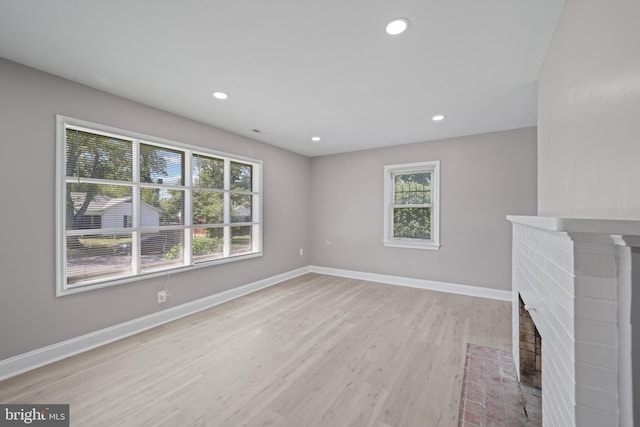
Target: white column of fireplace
574,277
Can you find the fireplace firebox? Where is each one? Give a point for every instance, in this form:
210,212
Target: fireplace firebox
530,349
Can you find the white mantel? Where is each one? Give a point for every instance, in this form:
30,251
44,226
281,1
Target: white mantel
574,276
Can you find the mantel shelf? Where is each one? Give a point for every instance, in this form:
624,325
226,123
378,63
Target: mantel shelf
624,227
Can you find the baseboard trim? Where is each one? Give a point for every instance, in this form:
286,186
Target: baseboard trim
453,288
43,356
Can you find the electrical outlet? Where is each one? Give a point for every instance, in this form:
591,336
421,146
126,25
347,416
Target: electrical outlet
301,251
162,297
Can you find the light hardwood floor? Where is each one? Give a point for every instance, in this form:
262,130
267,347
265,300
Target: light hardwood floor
312,351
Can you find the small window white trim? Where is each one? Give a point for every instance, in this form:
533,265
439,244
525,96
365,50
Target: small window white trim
389,192
63,123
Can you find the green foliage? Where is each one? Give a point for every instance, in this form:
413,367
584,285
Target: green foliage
206,245
153,162
200,246
412,190
150,196
174,252
171,206
207,207
412,223
91,155
241,176
208,172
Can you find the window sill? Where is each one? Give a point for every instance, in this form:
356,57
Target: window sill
99,284
431,246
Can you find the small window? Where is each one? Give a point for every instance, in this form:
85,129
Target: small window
411,207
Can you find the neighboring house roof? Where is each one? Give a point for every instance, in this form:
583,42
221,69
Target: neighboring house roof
241,211
100,203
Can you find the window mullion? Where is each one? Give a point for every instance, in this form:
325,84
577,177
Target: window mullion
226,249
188,209
135,203
255,227
256,206
408,205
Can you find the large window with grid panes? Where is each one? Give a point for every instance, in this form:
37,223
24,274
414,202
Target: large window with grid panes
412,205
131,206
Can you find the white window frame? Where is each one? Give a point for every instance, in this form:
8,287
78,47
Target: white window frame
390,171
62,288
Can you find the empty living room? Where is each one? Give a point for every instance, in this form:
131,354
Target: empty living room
295,213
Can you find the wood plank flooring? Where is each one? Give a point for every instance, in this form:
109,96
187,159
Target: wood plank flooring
313,351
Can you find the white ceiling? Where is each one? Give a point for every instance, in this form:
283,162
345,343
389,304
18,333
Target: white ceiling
294,68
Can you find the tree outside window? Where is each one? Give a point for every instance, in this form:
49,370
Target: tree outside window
411,205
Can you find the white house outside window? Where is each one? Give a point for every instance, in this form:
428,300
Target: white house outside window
411,206
131,206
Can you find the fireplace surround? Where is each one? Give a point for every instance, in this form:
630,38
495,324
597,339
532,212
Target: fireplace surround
575,278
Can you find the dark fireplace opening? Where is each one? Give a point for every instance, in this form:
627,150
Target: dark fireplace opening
530,350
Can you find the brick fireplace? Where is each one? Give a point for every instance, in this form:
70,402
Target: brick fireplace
572,280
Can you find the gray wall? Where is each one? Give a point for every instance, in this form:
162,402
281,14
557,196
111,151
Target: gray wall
30,314
589,113
589,125
330,206
483,178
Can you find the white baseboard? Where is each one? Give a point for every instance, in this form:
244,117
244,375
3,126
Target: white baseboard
43,356
52,353
453,288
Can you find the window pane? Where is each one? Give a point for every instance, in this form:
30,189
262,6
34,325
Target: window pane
412,223
161,165
207,172
241,207
240,240
413,188
241,176
97,257
91,206
159,250
89,155
207,244
161,206
207,207
124,199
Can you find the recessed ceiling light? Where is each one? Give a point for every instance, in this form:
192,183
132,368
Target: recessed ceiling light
397,26
220,95
315,138
437,118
